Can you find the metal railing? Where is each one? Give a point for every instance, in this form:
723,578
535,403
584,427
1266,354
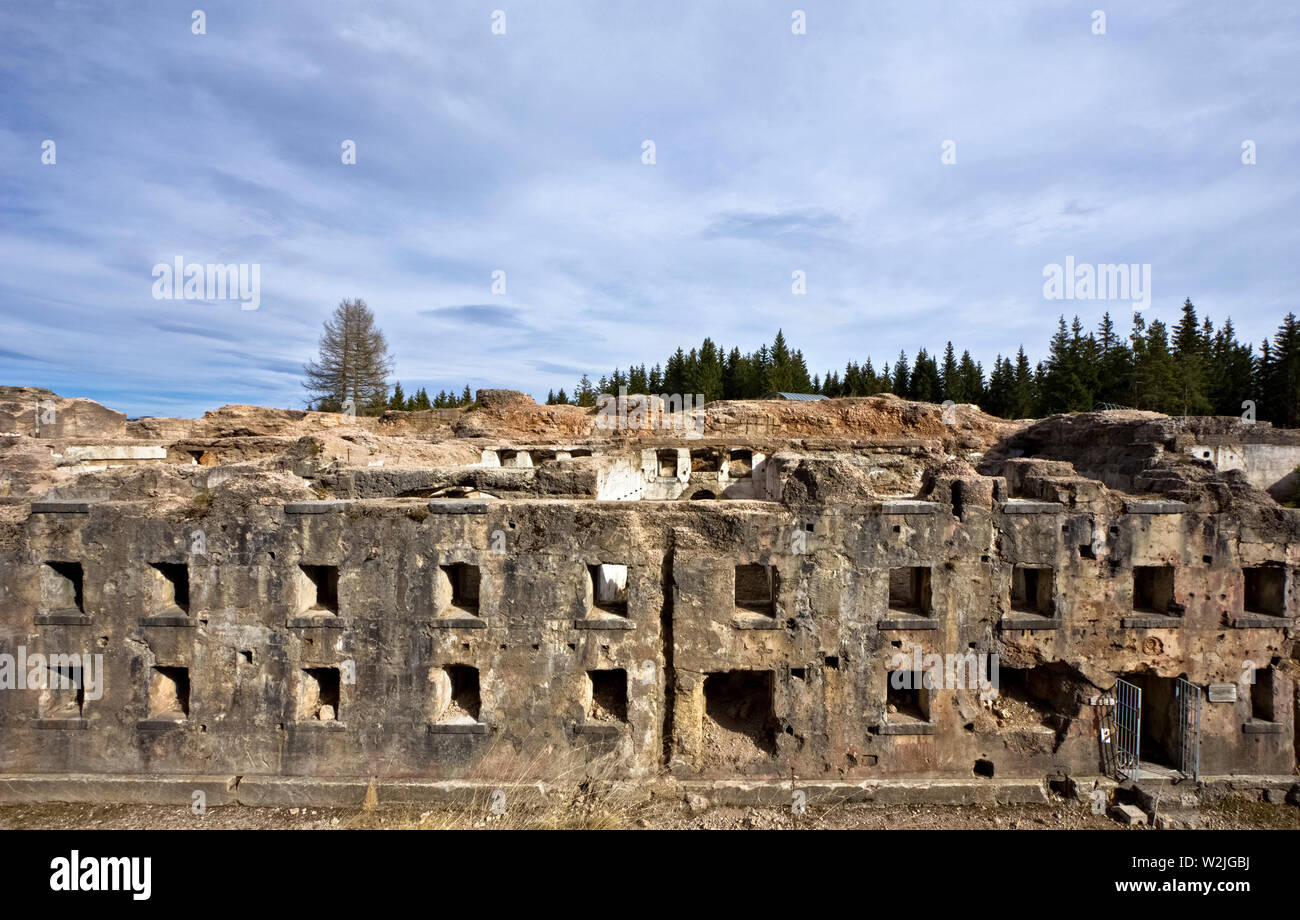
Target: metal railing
1188,728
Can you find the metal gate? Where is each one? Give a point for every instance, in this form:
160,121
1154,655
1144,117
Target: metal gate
1128,730
1187,730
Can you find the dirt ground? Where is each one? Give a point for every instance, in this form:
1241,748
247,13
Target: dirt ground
1061,814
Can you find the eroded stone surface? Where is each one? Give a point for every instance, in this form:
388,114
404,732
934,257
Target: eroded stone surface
514,592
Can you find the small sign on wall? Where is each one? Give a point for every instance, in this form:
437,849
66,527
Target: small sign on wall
1223,693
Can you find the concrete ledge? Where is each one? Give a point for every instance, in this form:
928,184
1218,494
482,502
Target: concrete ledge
909,506
461,792
877,792
323,506
169,620
1258,727
63,618
908,621
457,506
603,623
316,725
458,728
1156,507
88,788
458,623
61,506
1261,621
755,621
1013,621
301,790
86,454
1031,506
1152,621
905,728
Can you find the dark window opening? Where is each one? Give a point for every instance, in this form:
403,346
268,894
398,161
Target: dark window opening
1029,697
61,584
907,699
667,461
1153,589
740,725
756,589
1031,590
169,693
740,463
984,768
706,461
64,696
1265,590
320,589
465,699
320,694
608,695
609,588
174,585
1262,697
909,590
461,587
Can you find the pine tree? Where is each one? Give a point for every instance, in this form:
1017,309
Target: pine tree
398,399
926,385
1281,375
950,385
1190,352
1114,365
902,376
970,377
1232,372
1024,390
1155,375
353,364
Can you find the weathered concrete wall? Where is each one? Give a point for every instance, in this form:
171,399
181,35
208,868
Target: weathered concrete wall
652,608
818,707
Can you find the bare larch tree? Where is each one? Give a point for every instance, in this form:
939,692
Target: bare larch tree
354,362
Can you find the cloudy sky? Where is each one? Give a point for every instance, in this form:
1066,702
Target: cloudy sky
523,152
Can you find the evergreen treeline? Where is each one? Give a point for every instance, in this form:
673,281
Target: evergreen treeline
420,399
710,370
1190,369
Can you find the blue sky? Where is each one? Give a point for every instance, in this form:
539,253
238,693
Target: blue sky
522,152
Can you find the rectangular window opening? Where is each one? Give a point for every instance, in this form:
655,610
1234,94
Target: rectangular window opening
318,695
608,587
608,695
169,693
173,580
756,589
1031,590
909,590
1262,697
1265,590
1153,589
61,587
907,698
318,589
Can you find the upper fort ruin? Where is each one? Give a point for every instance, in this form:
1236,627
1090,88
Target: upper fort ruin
514,593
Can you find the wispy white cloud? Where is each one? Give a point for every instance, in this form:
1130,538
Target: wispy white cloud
522,152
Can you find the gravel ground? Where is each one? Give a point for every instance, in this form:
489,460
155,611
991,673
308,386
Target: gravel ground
1060,815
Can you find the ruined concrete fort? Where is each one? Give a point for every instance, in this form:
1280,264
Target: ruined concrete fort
866,597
